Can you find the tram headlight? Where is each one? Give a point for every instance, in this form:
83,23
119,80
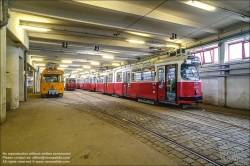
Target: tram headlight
196,91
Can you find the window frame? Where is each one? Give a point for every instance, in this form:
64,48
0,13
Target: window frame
202,56
243,56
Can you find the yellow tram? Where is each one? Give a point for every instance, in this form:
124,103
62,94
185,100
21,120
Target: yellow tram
52,81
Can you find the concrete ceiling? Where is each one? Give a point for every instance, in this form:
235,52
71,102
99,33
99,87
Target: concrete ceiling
110,24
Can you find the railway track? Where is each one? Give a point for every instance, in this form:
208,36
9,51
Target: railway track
175,121
107,114
121,119
195,115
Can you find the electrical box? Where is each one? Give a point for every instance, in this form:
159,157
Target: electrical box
180,51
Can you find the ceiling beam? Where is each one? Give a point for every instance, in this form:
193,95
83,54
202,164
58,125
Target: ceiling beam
98,22
138,10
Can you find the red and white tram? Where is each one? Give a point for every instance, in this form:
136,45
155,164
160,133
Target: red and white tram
173,80
105,82
90,83
79,83
70,84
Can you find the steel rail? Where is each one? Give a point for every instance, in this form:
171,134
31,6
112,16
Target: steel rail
152,132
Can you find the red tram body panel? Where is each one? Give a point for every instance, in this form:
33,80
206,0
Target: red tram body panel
118,88
110,88
86,86
100,87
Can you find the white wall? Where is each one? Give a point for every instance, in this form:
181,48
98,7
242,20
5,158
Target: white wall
237,92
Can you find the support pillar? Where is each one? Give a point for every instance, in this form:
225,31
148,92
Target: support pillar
21,79
3,74
222,80
34,81
12,77
25,75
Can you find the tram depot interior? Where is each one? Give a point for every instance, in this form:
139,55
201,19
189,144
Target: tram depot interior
86,39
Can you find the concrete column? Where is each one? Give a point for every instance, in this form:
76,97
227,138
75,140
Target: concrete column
12,77
38,80
3,74
34,81
222,80
21,79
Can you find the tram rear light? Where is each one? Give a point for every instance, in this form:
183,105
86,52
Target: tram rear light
196,91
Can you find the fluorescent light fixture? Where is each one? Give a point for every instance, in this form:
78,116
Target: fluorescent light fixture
115,64
111,51
79,69
34,28
86,67
140,34
63,65
136,41
40,64
95,63
75,65
37,59
66,61
108,57
74,71
200,5
171,45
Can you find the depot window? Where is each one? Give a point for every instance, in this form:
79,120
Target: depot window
238,50
207,55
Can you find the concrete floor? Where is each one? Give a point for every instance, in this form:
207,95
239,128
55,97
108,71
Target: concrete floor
40,126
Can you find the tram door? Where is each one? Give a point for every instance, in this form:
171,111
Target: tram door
171,82
161,86
105,83
126,83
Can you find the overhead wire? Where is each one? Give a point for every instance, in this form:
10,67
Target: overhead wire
119,32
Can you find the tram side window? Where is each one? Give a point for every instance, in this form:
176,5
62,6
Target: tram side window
119,77
52,78
101,79
110,79
136,75
148,74
94,80
161,74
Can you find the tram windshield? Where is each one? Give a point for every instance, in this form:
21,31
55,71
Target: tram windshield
71,80
52,78
189,72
